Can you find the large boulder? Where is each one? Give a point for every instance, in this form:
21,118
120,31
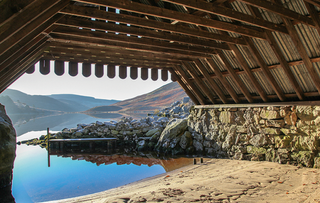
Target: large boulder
171,132
7,154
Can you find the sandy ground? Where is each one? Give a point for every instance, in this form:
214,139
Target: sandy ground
220,180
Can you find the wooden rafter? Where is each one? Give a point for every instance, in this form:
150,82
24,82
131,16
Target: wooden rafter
107,53
187,67
120,52
314,2
303,53
177,16
280,10
105,42
131,40
222,79
229,13
151,24
30,27
255,53
185,88
277,51
235,77
124,29
113,61
210,81
246,68
194,89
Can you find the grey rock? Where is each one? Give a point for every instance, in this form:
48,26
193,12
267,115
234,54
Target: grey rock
258,140
198,146
186,140
7,149
172,131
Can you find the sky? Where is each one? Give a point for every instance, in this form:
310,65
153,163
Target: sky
100,88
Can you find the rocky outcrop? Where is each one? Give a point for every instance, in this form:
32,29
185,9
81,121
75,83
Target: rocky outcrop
7,155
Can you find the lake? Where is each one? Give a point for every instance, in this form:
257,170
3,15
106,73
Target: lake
72,175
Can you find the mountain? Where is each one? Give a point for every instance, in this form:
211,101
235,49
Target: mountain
157,99
42,102
89,102
14,100
18,108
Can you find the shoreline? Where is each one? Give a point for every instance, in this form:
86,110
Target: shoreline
218,180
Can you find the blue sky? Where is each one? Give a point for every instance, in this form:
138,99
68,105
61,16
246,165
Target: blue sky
102,88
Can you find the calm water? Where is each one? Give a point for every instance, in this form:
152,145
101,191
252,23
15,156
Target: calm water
34,181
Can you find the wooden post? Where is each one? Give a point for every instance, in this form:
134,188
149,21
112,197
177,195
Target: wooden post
48,146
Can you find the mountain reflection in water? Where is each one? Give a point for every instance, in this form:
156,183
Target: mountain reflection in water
150,159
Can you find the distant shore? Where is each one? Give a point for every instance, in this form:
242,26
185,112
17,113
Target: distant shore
219,180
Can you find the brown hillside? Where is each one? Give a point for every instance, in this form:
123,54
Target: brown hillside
157,99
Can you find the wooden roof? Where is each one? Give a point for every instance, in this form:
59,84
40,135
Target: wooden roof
219,51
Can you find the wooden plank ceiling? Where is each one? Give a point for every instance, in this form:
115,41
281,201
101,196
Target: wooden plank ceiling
219,51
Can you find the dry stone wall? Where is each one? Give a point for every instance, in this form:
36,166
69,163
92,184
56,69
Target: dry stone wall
289,134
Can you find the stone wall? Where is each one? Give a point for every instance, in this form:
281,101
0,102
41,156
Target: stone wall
7,155
289,134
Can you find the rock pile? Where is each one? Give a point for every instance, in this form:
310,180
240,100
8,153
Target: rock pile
140,134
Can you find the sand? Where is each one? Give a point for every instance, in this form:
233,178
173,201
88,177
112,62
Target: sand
219,180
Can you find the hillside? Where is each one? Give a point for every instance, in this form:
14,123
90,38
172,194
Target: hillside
42,102
19,102
88,102
157,99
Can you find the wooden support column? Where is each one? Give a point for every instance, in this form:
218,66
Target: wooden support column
198,81
185,88
277,51
223,80
164,74
154,74
255,53
123,72
73,68
235,77
133,72
246,68
303,53
212,83
194,88
99,70
59,68
111,71
86,69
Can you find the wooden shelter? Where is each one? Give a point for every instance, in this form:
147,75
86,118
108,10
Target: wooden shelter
219,51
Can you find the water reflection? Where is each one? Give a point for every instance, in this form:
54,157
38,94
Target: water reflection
79,170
